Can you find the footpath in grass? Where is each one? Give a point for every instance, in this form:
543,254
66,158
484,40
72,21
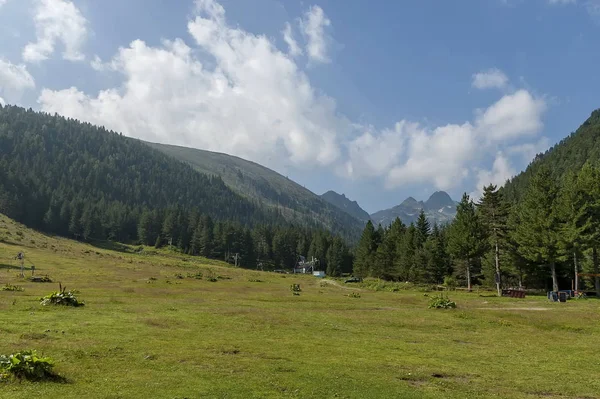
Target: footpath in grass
163,325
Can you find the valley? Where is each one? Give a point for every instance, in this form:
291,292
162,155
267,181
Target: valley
153,321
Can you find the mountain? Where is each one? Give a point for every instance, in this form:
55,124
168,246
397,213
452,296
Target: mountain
568,155
56,173
439,208
268,188
345,204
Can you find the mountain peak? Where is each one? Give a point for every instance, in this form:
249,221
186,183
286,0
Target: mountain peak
410,201
438,200
344,203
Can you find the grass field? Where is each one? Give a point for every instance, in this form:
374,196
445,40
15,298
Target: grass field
246,336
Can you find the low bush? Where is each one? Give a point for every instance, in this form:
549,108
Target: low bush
61,297
295,288
9,287
441,302
26,365
40,279
354,295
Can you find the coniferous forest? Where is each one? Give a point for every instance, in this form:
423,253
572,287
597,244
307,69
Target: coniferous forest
80,181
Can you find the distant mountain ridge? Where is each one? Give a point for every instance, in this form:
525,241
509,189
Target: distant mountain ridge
439,208
347,205
268,189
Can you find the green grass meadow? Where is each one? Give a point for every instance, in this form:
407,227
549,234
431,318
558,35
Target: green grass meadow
150,329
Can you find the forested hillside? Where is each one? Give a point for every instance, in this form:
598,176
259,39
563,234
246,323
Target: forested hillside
540,231
273,191
77,180
568,155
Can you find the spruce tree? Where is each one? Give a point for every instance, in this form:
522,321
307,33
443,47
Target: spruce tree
466,236
587,214
537,234
493,211
365,251
423,229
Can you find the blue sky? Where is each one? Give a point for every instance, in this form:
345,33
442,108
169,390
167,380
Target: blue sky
376,99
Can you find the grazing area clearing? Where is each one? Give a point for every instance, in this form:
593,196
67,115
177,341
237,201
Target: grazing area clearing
151,327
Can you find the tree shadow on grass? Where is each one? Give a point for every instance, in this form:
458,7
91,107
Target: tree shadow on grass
113,246
5,266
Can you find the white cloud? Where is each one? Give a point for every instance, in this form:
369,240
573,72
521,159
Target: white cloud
501,171
439,156
314,25
14,79
515,115
57,21
288,37
443,156
253,101
3,2
372,154
492,78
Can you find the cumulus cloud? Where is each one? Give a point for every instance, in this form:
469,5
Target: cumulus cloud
501,171
492,78
445,155
437,156
14,79
250,100
234,91
57,21
314,27
515,115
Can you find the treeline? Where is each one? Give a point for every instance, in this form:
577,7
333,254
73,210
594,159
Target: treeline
542,241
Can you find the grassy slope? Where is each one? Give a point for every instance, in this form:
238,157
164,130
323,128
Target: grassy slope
176,338
260,183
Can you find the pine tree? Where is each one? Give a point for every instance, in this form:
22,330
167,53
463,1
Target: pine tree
335,257
537,234
406,253
494,216
365,251
587,214
466,236
423,229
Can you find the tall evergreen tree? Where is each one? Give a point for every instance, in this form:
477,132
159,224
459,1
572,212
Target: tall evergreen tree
537,234
494,217
587,214
466,236
365,251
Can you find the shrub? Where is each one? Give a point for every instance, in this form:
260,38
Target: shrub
354,295
295,287
27,365
40,279
450,282
9,287
441,302
61,297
